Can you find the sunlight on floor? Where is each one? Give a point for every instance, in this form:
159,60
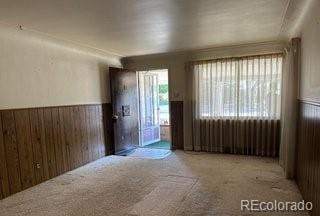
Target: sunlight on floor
159,145
149,153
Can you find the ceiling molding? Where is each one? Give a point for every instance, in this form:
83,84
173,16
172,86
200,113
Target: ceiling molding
294,17
39,34
273,45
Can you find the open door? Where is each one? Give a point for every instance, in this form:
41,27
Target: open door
149,108
124,97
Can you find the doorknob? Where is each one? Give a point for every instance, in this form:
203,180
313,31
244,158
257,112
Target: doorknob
115,117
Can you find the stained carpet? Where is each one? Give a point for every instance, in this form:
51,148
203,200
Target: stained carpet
182,184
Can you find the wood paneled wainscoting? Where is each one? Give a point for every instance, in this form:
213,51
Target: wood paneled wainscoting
176,122
38,144
238,136
308,153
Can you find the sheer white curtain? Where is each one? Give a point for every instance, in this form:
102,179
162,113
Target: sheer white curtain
289,115
248,87
237,104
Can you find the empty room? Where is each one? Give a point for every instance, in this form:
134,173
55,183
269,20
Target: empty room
159,107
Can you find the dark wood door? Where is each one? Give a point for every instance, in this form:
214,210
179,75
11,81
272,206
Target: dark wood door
124,97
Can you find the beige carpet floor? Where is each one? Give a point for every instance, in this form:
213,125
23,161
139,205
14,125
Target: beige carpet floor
184,183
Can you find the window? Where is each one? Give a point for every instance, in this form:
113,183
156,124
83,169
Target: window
239,87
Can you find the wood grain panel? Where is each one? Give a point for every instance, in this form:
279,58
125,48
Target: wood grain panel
49,141
76,147
11,151
89,133
96,135
4,181
308,151
68,135
93,132
25,148
60,163
176,114
37,144
63,135
84,135
102,148
45,164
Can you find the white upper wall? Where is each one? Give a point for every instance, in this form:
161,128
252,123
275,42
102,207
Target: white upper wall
37,71
175,62
310,55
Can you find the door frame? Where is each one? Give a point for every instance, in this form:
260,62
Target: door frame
169,94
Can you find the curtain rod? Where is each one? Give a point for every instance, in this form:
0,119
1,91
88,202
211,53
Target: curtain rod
237,57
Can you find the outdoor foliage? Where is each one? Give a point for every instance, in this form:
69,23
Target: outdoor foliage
163,94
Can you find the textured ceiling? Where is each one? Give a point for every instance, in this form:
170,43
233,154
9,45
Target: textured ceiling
137,27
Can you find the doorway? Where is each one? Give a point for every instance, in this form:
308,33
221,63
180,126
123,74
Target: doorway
140,113
154,114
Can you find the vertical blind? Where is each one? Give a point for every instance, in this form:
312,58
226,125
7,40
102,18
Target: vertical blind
245,87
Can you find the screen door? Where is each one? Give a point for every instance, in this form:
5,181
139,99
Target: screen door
149,108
